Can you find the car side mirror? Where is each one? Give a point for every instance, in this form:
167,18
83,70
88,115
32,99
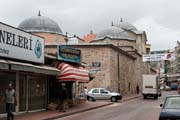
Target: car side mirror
161,105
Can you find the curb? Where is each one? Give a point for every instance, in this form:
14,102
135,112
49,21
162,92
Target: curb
84,110
131,98
79,111
88,109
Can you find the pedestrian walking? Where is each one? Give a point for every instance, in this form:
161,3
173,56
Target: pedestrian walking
62,98
85,92
10,97
178,88
137,89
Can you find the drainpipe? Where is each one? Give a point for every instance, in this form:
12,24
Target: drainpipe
119,89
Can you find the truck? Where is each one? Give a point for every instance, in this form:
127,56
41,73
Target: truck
150,86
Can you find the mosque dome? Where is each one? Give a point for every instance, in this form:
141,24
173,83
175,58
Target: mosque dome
114,33
40,24
126,26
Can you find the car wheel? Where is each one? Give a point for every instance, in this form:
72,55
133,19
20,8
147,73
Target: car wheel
113,99
91,99
145,96
156,97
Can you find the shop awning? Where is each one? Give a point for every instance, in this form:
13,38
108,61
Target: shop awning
33,68
72,73
4,64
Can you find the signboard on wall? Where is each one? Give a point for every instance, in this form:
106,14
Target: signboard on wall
17,44
96,64
158,57
153,57
69,54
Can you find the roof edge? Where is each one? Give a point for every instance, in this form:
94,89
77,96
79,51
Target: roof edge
97,44
102,38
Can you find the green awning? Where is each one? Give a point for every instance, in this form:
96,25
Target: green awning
4,64
27,67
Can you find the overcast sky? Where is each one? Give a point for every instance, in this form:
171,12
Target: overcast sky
159,18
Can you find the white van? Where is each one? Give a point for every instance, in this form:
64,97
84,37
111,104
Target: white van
150,86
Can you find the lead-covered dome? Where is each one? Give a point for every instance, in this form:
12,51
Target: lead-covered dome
126,26
114,33
40,24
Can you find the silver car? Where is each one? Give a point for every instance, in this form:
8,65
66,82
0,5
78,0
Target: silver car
103,94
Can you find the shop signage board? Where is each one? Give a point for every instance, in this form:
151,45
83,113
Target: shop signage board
153,57
69,54
96,64
158,57
18,44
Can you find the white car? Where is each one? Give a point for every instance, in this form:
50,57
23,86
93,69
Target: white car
103,94
165,87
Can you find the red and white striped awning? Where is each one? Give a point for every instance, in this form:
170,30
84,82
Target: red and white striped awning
72,73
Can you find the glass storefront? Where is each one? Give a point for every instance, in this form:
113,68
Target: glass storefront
22,92
32,90
5,78
37,92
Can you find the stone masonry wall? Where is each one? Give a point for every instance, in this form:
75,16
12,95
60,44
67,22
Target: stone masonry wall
100,54
108,75
51,38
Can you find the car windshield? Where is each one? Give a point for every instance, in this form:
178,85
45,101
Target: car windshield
172,103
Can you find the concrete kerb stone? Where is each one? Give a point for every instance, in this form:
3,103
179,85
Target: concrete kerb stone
91,108
79,111
130,98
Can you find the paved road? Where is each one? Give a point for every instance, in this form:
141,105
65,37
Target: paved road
137,109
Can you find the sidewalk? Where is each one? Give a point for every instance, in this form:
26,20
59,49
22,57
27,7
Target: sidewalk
50,115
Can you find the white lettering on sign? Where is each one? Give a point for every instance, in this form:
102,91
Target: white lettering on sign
15,43
153,57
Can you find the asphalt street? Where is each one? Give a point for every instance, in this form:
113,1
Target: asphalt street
137,109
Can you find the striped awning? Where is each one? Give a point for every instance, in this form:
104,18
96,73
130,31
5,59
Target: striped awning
72,73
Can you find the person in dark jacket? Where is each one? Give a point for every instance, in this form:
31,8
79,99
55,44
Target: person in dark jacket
137,89
10,97
62,98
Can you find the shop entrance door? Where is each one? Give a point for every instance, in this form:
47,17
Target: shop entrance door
32,92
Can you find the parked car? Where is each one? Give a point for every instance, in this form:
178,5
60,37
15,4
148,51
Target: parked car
174,86
170,108
103,94
165,87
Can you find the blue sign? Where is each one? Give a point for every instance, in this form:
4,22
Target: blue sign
69,54
38,49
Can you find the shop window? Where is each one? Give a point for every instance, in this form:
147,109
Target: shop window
37,92
22,91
